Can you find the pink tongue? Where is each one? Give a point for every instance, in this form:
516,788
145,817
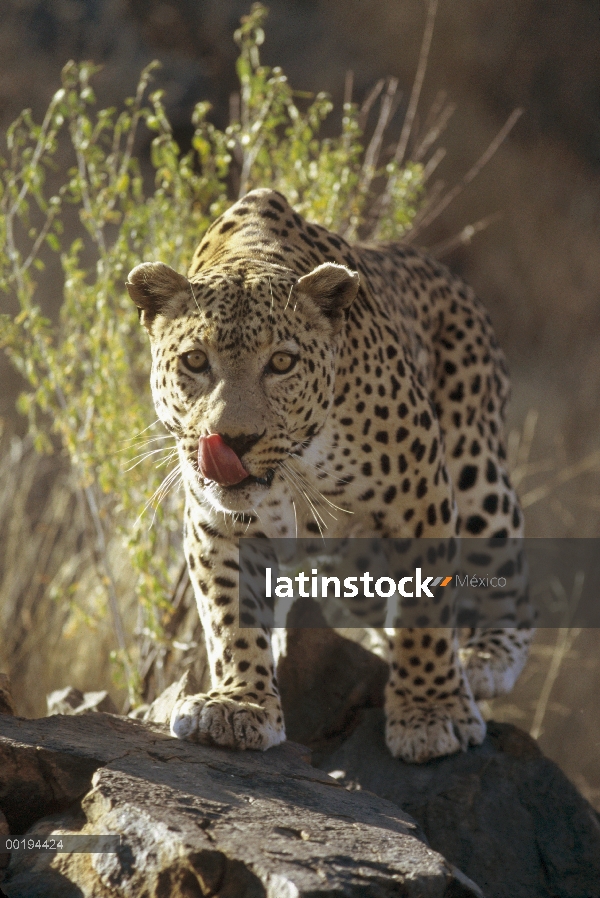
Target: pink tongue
216,461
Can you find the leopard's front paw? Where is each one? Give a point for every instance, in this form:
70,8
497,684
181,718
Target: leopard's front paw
233,723
418,732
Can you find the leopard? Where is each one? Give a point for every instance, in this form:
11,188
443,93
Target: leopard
287,364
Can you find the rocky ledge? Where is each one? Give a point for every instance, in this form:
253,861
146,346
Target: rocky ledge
499,821
199,821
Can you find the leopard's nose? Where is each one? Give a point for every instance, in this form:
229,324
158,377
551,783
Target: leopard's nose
242,443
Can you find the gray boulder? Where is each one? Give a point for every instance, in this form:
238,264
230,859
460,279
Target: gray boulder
503,813
72,701
196,821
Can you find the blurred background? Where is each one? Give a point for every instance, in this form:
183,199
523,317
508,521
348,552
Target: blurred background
536,265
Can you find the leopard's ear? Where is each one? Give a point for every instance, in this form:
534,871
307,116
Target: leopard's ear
152,286
332,288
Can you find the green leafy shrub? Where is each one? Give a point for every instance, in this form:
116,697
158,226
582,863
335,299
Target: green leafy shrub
87,373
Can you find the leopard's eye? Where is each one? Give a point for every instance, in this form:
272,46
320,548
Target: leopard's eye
282,362
195,360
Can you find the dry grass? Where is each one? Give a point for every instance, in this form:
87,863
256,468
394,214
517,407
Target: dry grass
555,697
56,627
547,476
43,554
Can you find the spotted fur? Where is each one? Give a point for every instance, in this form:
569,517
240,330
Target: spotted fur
392,412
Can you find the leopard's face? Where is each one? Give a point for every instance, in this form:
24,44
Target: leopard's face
251,359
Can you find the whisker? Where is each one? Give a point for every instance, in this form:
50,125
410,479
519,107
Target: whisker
166,436
172,474
272,299
165,461
289,297
298,479
194,295
167,484
156,421
258,517
146,455
294,486
321,524
317,495
327,474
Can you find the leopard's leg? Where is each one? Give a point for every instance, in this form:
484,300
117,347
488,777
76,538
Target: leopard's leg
494,658
243,709
497,646
471,389
429,703
496,652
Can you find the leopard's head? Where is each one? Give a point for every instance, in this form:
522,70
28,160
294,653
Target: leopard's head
243,367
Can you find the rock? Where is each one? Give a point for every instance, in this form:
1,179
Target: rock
161,708
502,812
4,855
72,701
139,712
64,701
97,701
196,820
36,780
324,680
7,705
